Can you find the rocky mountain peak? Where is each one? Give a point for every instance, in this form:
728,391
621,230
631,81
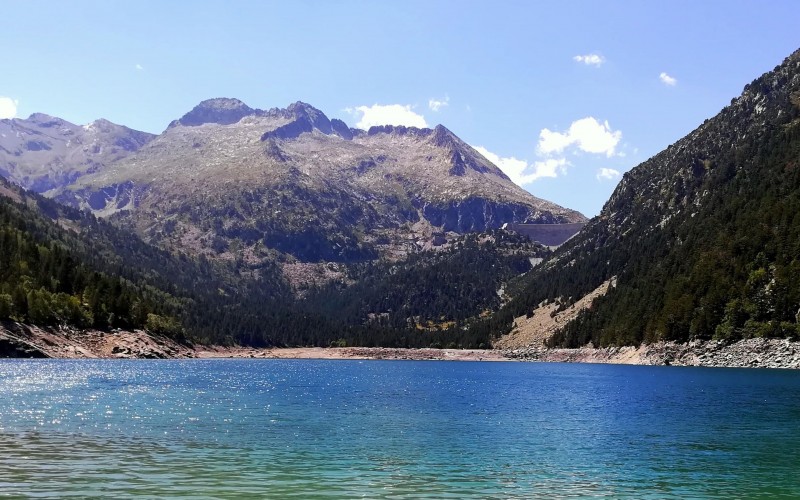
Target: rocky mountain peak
104,126
46,121
221,110
306,118
443,138
102,123
116,135
301,108
314,117
44,152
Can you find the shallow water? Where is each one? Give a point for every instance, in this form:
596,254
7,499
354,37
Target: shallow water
405,429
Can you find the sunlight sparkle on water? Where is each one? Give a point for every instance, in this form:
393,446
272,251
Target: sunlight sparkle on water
399,429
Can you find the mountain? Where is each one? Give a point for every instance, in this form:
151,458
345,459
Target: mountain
229,181
218,225
42,152
703,238
64,268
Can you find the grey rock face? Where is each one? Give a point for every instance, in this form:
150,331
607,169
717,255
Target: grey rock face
478,214
341,129
223,111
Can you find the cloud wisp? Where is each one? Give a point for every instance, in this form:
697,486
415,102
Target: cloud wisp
607,174
595,60
670,81
387,114
587,135
8,107
520,171
435,105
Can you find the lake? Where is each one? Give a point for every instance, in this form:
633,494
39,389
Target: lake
397,429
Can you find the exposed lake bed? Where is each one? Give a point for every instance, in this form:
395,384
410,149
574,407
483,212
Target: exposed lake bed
18,340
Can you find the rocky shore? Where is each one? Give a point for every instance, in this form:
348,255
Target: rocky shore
750,353
24,341
18,340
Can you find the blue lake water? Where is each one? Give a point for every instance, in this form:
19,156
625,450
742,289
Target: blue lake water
402,429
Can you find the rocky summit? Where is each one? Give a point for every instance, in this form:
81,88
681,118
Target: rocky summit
230,181
42,152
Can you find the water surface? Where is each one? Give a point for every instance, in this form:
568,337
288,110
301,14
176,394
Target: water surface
404,429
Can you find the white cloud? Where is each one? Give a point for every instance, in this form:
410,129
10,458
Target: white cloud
550,167
436,105
595,60
520,171
389,114
607,173
8,107
667,80
587,134
139,67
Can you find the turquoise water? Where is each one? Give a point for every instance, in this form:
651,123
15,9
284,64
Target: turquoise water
403,429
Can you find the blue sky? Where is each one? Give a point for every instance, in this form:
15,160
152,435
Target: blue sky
565,96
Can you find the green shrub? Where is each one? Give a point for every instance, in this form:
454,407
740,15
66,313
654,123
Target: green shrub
164,325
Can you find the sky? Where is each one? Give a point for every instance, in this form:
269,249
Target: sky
564,96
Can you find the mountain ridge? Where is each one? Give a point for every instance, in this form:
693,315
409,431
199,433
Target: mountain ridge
303,185
44,152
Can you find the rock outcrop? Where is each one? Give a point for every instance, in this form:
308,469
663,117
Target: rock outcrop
222,111
749,353
25,341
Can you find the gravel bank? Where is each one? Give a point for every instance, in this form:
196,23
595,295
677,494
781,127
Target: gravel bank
750,353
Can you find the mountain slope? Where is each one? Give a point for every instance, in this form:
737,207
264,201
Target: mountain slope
229,180
433,289
704,237
42,152
61,266
56,268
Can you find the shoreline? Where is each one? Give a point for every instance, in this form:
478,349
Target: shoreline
353,353
748,353
24,341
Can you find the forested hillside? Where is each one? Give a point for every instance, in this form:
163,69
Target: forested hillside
63,267
432,290
704,237
44,280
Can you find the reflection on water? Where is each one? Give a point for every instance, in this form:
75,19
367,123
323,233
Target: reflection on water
395,429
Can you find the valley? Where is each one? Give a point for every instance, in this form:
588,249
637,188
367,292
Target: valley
283,227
